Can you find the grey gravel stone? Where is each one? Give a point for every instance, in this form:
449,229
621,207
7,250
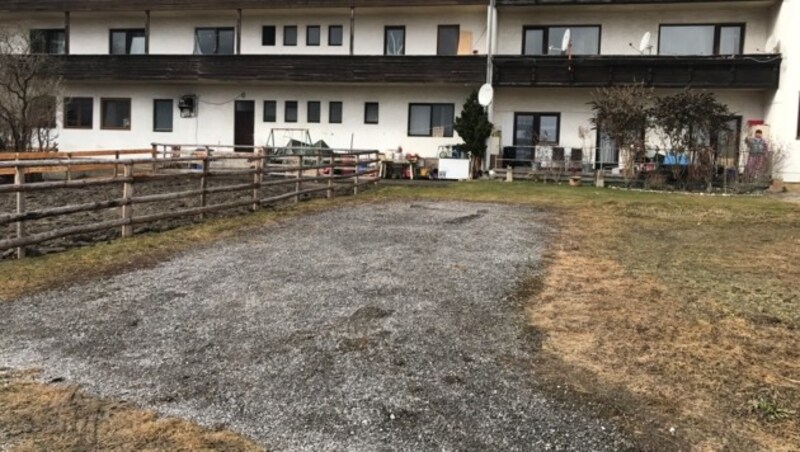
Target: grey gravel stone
382,327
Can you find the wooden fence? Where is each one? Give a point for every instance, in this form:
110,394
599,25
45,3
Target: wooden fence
312,172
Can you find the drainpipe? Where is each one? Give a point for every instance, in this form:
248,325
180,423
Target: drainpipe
491,39
66,32
147,32
352,29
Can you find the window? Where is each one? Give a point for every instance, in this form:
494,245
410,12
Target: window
213,41
531,129
115,114
290,111
394,41
290,35
48,41
426,120
371,113
447,43
313,35
268,35
162,115
335,112
335,35
702,39
78,112
313,111
547,40
127,42
270,111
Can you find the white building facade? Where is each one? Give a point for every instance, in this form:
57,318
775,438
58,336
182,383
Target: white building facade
386,74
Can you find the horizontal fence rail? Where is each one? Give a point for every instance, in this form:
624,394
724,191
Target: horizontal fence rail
297,171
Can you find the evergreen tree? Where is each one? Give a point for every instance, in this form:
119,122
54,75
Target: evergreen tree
474,128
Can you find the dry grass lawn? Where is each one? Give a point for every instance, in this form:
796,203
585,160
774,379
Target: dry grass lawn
38,417
680,314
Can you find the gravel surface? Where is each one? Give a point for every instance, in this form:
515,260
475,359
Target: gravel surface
383,327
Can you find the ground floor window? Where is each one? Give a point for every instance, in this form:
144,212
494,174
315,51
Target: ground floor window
430,120
314,111
115,114
270,111
162,115
533,129
78,112
290,111
371,113
335,112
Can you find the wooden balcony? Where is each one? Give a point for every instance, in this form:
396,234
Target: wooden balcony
276,68
743,71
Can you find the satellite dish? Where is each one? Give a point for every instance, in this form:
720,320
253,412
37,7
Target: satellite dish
644,44
566,41
486,95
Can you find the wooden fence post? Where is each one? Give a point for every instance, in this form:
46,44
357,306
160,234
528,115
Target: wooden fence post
257,178
355,176
204,184
330,176
127,194
298,185
69,167
19,181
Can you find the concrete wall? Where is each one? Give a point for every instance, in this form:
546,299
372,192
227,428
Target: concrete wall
625,24
783,107
214,122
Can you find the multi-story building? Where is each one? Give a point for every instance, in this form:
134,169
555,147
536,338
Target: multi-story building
384,74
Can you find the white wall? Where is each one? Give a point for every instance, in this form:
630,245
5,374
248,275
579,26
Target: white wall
214,122
575,111
782,111
626,24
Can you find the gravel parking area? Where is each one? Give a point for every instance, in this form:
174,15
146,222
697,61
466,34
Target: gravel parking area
381,327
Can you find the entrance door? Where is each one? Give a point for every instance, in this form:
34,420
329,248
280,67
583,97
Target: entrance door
244,124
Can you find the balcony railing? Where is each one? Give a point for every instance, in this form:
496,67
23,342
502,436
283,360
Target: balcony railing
276,68
743,71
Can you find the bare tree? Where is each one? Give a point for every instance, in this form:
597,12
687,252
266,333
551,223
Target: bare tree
623,113
29,87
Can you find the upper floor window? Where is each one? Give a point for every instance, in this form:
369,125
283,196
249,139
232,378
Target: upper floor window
313,35
127,42
447,42
335,35
690,39
213,41
430,120
290,35
51,41
268,35
394,41
585,40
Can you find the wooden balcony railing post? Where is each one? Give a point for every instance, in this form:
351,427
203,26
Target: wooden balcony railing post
127,194
19,181
116,165
154,155
69,167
